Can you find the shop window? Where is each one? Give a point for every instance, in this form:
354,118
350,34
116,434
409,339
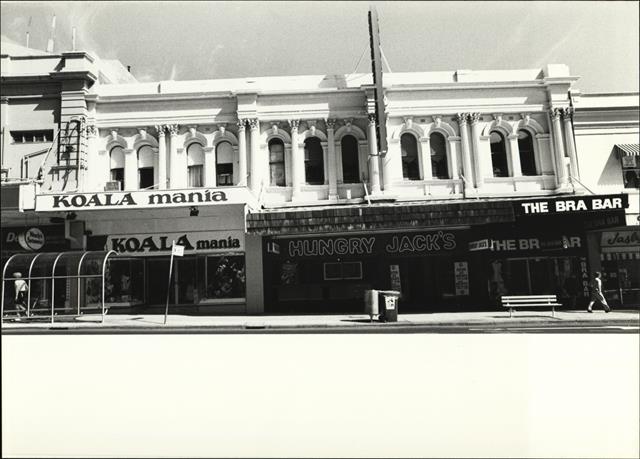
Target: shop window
439,168
313,161
116,159
350,164
527,155
195,168
631,171
124,281
409,151
224,164
225,277
276,163
498,155
145,167
42,135
343,270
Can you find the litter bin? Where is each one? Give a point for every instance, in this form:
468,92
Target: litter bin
388,305
371,303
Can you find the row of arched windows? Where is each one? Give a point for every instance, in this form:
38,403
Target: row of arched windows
499,154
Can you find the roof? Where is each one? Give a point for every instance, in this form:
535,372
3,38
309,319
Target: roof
8,47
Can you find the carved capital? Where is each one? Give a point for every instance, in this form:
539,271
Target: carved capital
161,130
462,118
295,124
331,123
526,117
172,129
555,113
254,123
241,123
372,118
567,112
92,131
437,120
474,117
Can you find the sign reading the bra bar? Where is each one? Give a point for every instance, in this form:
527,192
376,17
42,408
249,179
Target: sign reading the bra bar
373,244
158,244
574,204
141,199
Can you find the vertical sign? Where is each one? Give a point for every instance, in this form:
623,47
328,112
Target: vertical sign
584,275
394,271
461,269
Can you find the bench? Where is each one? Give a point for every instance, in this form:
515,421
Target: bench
530,301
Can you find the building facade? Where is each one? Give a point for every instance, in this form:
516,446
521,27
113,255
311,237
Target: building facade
278,190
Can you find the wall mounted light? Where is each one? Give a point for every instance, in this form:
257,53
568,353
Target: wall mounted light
193,211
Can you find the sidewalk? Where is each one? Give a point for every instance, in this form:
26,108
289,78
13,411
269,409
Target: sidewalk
628,317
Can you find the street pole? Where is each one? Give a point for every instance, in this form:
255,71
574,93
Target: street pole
166,311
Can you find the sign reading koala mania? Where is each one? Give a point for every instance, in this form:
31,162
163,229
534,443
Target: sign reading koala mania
141,199
378,244
572,204
158,244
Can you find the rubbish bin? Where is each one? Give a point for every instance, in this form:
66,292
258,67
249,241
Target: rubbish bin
371,303
388,301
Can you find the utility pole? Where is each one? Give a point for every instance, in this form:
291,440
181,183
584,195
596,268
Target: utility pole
376,66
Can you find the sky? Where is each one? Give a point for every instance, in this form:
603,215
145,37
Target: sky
598,40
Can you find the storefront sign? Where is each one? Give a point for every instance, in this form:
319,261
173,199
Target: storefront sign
572,205
620,238
482,244
584,276
461,269
378,244
33,239
527,244
157,244
142,199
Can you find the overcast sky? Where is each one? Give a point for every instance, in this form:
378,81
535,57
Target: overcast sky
201,40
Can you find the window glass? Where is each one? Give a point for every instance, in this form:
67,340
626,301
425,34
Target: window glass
631,171
145,156
145,177
439,168
195,168
527,158
350,166
124,281
498,155
224,164
195,155
117,158
313,161
195,174
225,277
409,150
45,135
276,163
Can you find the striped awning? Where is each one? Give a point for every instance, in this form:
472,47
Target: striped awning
620,256
627,149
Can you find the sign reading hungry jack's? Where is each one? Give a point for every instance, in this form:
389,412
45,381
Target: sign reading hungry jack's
141,199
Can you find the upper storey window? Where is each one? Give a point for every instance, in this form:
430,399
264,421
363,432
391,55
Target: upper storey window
439,167
350,164
145,167
116,159
195,165
631,171
498,155
409,150
313,161
42,135
276,163
527,155
224,164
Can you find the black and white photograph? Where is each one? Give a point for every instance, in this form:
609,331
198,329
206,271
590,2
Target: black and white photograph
320,229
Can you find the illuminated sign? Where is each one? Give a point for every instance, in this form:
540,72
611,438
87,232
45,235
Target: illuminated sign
572,204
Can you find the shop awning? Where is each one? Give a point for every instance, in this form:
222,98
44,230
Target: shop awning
627,149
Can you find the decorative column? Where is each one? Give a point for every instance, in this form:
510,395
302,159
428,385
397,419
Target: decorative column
425,158
162,158
130,170
567,114
242,153
561,169
475,141
255,181
332,163
297,161
467,170
514,156
176,173
374,158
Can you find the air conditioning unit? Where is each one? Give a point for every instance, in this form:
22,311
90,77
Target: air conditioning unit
113,186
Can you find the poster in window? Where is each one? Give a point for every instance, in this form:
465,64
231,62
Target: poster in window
461,269
394,271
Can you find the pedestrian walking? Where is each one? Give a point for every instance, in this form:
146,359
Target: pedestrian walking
596,293
21,289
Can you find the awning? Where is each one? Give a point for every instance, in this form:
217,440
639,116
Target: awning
627,149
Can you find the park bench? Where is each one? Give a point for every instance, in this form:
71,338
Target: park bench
530,301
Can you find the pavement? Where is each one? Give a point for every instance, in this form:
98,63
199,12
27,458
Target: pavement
497,318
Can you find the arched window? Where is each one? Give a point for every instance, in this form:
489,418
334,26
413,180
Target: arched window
116,159
195,165
350,164
498,155
276,163
145,167
410,165
224,164
313,161
527,158
439,167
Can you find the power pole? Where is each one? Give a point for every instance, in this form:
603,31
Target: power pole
376,66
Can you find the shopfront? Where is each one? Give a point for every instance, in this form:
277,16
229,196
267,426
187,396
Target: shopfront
210,277
331,273
620,265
